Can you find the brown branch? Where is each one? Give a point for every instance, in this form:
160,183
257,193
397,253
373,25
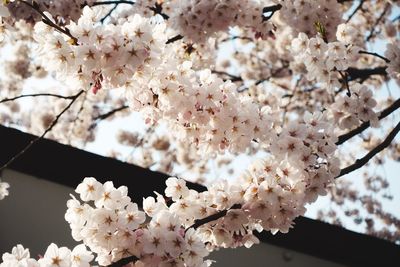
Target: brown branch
109,13
236,37
386,112
364,160
158,9
232,78
213,217
364,74
359,7
110,113
31,143
272,10
48,21
346,82
174,39
35,95
106,116
372,32
374,54
124,261
112,2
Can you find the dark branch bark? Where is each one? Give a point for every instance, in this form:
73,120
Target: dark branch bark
212,217
386,112
174,39
106,116
124,261
375,54
109,13
364,74
359,7
113,2
75,97
272,10
34,6
364,160
373,29
232,78
110,113
35,95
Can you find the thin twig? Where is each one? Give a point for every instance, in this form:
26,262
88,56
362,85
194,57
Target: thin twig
174,39
359,7
364,74
386,112
32,142
345,79
108,14
272,10
213,217
232,78
124,261
372,32
48,21
112,2
364,160
106,116
374,54
110,113
35,95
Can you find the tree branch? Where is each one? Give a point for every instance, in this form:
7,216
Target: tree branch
106,115
31,143
359,7
110,113
174,39
372,32
386,112
232,78
364,74
213,217
374,54
48,21
123,262
113,2
35,95
272,10
109,13
364,160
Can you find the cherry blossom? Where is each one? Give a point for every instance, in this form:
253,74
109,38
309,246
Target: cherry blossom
3,189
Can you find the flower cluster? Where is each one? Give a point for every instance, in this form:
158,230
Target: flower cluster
201,107
3,189
304,15
63,11
357,105
114,228
199,19
393,54
270,195
54,256
133,55
323,61
102,56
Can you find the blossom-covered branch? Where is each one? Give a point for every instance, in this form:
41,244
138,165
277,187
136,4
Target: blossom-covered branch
364,160
383,114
